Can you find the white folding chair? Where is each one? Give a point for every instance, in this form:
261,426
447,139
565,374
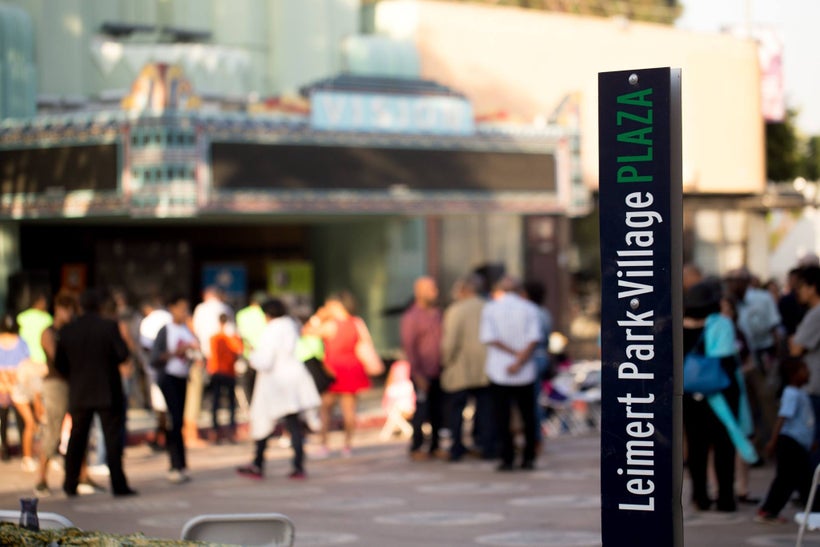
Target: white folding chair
50,521
807,518
274,529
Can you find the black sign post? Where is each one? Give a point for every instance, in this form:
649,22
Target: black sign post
639,120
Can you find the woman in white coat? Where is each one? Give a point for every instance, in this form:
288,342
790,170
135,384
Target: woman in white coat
283,389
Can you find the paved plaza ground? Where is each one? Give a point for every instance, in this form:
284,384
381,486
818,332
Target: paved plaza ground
378,497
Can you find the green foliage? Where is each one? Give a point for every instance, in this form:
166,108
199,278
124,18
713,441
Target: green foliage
783,155
811,159
789,154
654,11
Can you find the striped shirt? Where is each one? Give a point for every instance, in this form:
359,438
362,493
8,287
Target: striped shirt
514,322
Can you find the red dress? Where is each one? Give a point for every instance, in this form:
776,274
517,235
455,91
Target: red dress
340,357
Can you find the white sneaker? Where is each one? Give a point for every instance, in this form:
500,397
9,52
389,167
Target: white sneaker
56,464
99,469
85,489
29,464
175,476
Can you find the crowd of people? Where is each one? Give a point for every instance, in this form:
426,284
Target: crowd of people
489,346
68,374
767,340
71,376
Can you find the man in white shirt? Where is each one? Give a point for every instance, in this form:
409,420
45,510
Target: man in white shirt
206,324
511,330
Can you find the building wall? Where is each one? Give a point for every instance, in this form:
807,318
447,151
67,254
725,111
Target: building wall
17,71
9,257
256,46
377,260
471,241
525,62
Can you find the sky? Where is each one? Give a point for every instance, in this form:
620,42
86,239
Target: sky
798,22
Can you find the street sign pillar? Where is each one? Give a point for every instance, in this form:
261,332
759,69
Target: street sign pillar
640,203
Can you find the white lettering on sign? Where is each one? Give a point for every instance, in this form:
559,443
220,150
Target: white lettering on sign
344,111
635,277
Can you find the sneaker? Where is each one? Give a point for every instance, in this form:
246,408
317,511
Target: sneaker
99,469
28,464
85,489
41,490
176,476
88,483
56,464
251,471
763,517
297,476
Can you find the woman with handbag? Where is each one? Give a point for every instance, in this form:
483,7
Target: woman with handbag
343,335
708,333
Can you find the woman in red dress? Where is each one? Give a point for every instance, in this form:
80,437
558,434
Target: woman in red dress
339,330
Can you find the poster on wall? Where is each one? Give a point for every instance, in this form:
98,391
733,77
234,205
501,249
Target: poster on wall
231,278
292,281
73,277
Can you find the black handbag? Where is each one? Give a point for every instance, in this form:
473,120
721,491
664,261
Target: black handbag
159,349
321,377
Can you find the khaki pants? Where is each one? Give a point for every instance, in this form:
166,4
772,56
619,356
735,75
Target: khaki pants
193,401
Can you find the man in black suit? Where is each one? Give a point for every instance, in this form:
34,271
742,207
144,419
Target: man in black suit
89,353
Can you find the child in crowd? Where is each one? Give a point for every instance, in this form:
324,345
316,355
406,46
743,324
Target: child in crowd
225,350
791,442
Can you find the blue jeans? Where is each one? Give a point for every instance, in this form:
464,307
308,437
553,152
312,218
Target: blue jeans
297,441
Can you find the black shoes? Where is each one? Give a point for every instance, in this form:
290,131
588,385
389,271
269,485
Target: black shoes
126,493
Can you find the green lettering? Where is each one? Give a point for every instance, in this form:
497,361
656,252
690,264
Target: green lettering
621,116
637,137
631,159
628,173
636,98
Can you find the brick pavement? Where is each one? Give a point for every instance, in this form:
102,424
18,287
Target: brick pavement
378,497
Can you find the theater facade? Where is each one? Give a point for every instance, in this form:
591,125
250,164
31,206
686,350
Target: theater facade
359,182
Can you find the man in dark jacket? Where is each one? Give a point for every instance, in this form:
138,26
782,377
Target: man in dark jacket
89,353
